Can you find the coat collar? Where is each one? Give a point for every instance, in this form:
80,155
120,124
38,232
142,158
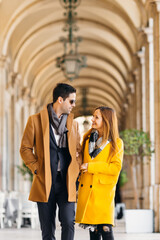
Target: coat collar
44,120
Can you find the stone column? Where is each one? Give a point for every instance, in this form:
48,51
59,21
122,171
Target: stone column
24,108
153,47
11,112
4,65
15,83
141,55
130,122
2,113
156,32
145,169
136,88
131,108
156,39
138,104
149,33
25,97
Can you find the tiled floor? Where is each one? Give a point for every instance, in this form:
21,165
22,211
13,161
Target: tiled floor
80,234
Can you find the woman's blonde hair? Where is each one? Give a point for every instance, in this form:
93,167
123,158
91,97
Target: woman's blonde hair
110,126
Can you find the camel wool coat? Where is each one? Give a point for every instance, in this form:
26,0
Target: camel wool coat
35,152
97,186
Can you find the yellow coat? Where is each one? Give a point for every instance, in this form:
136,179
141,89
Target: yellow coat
97,186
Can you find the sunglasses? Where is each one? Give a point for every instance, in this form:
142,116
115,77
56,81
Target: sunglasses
72,101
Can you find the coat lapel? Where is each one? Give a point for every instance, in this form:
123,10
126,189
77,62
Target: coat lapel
46,144
69,124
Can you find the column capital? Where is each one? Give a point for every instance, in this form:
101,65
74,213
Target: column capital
25,92
141,55
125,106
149,31
15,78
4,61
157,3
131,86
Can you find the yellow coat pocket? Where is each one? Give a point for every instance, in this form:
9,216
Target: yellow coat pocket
105,179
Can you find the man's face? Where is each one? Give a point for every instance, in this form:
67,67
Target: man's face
68,103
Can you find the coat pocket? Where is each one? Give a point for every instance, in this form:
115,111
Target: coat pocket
106,179
35,167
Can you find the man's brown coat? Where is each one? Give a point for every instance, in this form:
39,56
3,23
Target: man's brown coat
35,152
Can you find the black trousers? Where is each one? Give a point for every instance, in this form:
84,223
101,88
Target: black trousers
66,214
106,235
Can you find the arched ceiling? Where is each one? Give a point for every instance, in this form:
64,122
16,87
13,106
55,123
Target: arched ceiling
30,37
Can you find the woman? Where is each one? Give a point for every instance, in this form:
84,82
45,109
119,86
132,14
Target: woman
102,162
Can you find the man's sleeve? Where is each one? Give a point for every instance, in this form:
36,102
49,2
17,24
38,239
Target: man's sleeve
27,144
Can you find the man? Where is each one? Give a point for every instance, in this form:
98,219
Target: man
50,148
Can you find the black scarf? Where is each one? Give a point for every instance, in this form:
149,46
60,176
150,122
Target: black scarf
95,146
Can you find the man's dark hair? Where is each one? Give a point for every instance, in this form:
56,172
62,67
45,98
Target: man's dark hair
62,90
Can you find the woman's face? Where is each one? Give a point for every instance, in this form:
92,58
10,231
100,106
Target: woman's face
97,121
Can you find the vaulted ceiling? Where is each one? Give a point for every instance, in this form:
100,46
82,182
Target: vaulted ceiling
30,32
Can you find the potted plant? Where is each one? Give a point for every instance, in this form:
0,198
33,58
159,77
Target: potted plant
137,144
123,179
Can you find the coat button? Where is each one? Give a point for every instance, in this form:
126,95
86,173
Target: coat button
81,185
90,186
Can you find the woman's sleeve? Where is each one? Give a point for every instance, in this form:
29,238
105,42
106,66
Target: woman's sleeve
113,167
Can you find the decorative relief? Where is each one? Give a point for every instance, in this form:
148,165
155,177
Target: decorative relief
25,92
4,61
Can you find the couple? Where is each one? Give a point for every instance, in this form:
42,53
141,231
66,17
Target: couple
51,149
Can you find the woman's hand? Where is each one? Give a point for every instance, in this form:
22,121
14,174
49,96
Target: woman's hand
84,167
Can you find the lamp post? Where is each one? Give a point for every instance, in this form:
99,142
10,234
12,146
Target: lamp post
71,62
